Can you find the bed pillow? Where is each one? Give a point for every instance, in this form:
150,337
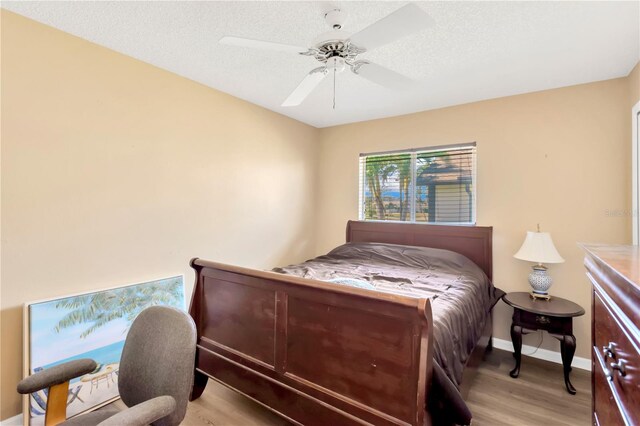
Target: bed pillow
352,282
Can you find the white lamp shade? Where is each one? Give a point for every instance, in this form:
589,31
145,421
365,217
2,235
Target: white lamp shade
538,247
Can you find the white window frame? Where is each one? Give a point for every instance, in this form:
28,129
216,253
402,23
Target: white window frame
414,156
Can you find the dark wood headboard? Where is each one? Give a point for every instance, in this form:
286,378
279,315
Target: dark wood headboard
474,242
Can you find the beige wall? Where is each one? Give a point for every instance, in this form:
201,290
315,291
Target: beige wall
114,172
634,85
559,158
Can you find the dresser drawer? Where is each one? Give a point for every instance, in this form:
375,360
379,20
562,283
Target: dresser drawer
623,383
605,408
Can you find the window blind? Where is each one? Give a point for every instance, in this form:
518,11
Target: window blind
429,185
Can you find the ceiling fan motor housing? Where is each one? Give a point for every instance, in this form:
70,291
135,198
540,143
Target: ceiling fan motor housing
335,44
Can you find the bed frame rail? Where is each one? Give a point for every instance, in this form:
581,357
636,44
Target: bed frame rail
314,352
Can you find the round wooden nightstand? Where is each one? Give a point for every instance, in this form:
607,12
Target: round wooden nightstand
554,315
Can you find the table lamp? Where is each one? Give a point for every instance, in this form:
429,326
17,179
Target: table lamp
538,247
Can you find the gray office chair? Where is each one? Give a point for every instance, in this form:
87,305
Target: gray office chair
155,377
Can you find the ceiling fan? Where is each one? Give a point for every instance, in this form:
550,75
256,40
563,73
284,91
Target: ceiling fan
337,49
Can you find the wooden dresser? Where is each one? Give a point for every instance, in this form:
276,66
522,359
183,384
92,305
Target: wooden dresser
614,272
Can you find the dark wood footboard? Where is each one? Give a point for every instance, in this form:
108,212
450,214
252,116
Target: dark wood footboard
315,353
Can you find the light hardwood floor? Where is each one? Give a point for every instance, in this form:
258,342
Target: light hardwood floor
537,397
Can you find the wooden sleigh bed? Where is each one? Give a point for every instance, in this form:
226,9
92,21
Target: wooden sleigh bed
321,354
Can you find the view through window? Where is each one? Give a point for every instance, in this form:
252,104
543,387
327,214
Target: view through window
423,185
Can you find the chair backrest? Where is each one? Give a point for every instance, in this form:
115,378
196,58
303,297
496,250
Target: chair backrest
158,359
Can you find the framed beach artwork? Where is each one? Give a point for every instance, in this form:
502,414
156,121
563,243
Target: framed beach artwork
89,325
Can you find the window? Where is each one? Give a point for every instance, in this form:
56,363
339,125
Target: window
426,185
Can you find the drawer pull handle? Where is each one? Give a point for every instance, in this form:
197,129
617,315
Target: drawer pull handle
607,374
620,367
541,319
609,351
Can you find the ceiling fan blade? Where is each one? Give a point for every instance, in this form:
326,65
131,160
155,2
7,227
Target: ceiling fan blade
407,20
305,87
260,44
383,76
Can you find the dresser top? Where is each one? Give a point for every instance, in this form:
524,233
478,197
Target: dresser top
625,260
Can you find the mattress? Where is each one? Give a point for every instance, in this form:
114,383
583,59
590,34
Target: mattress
461,294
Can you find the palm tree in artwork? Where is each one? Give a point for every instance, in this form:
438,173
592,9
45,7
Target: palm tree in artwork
98,309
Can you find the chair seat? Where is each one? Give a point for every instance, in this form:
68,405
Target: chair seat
92,418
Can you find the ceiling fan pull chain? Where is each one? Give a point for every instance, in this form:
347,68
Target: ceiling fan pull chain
334,88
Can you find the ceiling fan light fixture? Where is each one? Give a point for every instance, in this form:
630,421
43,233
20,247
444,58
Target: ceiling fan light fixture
336,63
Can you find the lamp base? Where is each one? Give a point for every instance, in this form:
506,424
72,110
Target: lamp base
540,282
540,296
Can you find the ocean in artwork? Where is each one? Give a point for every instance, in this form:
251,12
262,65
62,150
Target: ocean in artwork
94,326
104,355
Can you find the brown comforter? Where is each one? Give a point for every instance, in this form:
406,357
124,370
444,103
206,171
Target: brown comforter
461,294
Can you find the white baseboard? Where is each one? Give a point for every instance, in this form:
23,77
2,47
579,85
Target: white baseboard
545,354
13,421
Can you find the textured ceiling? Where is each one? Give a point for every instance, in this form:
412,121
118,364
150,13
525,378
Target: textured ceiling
475,51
